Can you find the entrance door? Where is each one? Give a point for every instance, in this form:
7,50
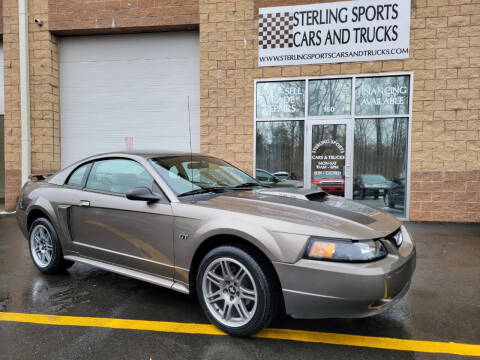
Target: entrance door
329,156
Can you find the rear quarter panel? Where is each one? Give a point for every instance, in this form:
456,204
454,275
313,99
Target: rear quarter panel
53,200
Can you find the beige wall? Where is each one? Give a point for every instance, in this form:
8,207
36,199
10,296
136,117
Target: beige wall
44,100
445,59
2,163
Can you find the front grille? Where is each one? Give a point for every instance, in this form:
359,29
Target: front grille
330,183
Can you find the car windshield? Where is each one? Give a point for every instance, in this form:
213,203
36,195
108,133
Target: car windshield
190,174
373,179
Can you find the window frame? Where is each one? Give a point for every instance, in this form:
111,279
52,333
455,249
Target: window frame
84,179
86,176
351,117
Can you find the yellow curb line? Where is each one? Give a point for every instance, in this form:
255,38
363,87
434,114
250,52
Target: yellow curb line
278,334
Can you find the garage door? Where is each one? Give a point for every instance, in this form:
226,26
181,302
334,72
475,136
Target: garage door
129,91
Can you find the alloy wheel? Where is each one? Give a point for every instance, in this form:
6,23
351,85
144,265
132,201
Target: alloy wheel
41,245
229,292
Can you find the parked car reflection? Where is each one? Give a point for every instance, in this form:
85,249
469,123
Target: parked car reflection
269,179
282,175
330,182
370,185
395,195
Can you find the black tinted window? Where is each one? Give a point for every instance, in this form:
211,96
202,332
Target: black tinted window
76,178
119,176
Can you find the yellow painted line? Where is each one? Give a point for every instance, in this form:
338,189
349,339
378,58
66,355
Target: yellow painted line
278,334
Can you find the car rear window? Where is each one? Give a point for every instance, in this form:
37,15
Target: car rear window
76,178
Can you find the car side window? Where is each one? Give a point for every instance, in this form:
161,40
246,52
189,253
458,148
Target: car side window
119,176
76,178
263,176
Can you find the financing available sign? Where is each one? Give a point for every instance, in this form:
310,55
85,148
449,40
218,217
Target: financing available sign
344,31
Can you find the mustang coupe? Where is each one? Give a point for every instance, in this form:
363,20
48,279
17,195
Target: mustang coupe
197,224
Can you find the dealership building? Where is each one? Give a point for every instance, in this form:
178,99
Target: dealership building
374,100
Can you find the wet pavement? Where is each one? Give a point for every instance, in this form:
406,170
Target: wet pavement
443,304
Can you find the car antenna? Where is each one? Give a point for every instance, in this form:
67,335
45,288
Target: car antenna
190,136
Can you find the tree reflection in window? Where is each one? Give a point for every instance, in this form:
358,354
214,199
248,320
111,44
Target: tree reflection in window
279,147
380,149
329,97
381,146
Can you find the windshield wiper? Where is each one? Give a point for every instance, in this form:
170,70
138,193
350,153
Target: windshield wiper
247,184
203,191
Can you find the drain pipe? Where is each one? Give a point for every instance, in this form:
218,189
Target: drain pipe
24,88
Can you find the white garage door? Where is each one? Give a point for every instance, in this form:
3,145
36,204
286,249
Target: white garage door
129,91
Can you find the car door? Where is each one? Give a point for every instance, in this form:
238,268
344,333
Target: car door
107,226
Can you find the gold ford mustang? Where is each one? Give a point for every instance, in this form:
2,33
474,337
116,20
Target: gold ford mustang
195,223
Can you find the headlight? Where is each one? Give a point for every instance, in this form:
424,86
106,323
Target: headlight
345,250
398,237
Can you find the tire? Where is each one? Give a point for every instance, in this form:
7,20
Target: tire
45,249
363,194
250,304
388,201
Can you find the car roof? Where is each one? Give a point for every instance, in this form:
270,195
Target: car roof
60,177
149,153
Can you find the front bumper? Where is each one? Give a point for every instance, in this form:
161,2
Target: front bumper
331,189
315,289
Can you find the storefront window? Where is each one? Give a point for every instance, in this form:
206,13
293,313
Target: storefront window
350,139
387,95
279,152
329,97
280,99
380,166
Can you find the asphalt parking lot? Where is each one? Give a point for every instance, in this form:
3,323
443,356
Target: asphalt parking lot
442,306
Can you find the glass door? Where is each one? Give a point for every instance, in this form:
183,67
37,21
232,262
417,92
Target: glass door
329,156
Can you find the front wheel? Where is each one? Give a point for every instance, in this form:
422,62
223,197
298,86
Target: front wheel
388,200
363,194
235,292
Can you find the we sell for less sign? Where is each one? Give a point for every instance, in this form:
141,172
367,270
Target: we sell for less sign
344,31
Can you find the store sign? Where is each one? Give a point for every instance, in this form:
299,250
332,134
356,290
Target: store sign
386,95
343,31
328,158
280,99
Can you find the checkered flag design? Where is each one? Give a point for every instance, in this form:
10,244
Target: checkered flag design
275,30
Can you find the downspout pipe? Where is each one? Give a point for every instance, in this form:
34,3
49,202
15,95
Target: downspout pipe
24,88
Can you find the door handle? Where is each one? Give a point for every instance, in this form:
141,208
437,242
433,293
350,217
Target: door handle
84,203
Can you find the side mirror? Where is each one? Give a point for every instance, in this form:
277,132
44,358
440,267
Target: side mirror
275,179
142,194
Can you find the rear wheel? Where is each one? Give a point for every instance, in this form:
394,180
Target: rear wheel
45,248
236,291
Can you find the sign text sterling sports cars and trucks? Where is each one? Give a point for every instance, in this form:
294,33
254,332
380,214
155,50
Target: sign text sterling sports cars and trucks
343,31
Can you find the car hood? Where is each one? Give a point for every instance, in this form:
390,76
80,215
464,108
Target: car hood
293,183
305,211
